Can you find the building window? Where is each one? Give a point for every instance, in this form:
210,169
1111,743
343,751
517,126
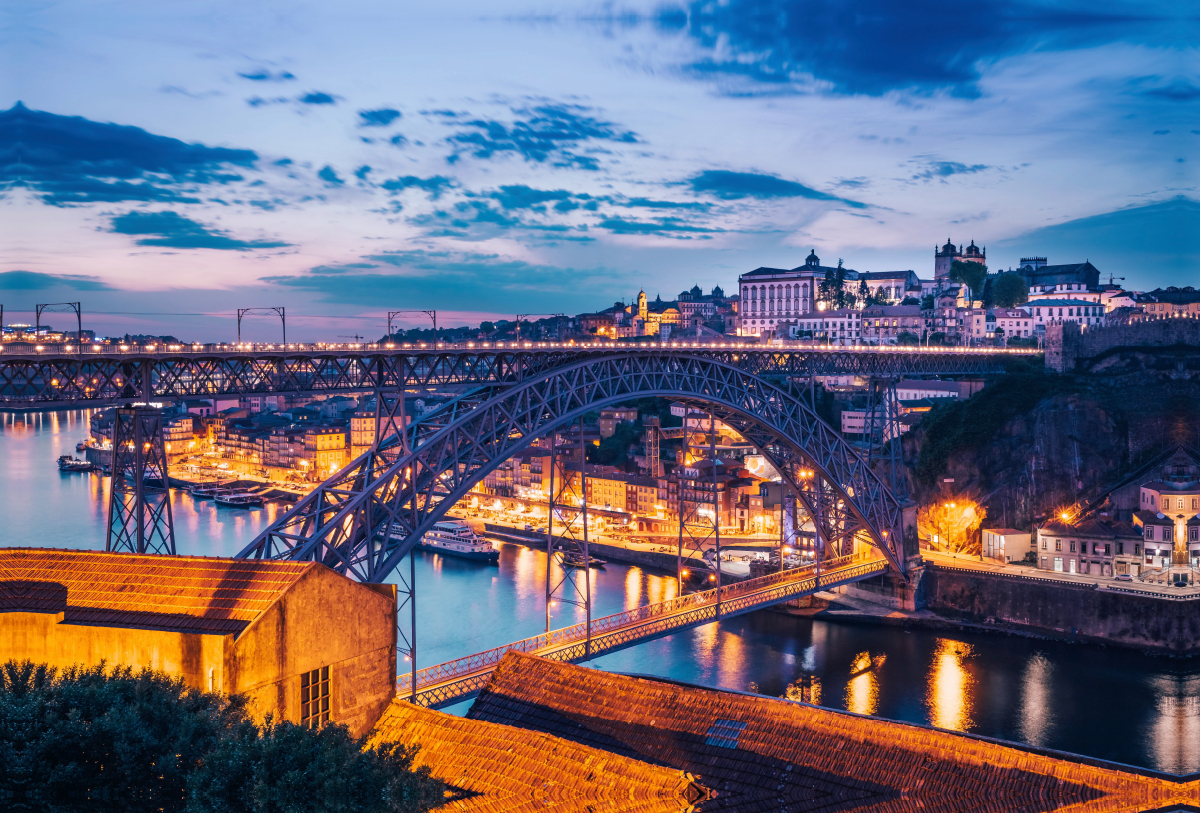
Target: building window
1108,550
1044,544
1058,544
1120,548
1137,550
314,697
1072,546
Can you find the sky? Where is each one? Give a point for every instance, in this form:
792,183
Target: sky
167,163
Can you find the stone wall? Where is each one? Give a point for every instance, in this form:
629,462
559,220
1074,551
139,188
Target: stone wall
1063,610
1066,344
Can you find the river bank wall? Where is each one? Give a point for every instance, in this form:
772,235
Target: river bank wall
1059,610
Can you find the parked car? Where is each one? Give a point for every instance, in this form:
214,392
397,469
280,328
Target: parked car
1124,577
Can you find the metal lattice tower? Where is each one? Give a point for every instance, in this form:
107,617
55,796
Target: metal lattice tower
653,445
698,532
569,582
139,504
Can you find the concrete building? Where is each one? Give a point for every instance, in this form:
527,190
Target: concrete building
609,418
883,324
768,296
1006,544
841,327
1063,311
912,390
303,643
1095,547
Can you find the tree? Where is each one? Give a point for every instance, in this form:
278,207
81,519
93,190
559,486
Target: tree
487,327
864,294
928,302
1010,290
950,524
912,300
969,273
120,740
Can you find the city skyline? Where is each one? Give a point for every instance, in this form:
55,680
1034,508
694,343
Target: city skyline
487,161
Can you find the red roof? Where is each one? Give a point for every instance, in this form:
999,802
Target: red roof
182,593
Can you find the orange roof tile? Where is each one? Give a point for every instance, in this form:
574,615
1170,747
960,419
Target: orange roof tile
760,753
512,770
184,593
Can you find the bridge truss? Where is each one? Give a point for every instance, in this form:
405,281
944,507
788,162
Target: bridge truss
62,376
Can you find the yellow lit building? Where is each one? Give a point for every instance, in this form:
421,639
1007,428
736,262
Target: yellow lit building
300,641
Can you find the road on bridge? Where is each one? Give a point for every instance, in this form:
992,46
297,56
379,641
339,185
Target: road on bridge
458,680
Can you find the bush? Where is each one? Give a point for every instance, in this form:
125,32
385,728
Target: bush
120,740
955,426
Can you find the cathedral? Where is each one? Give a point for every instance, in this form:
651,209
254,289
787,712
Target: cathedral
945,256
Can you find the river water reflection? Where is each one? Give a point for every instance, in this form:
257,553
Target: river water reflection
1107,703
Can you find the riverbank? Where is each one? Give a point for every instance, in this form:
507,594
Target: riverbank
960,599
648,556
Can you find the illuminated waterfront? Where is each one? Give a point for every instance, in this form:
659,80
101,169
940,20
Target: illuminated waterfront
1106,703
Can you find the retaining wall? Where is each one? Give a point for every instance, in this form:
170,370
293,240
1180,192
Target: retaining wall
1081,612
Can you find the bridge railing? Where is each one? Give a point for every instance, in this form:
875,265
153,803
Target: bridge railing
453,670
169,350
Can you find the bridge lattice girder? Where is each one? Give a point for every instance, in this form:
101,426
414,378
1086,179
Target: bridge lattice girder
64,380
365,519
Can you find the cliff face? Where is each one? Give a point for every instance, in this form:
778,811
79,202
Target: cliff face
1025,462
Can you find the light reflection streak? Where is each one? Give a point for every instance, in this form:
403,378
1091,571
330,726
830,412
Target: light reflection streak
948,693
1175,732
1037,709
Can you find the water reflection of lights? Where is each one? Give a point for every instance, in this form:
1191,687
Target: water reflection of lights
1037,708
862,692
1175,735
948,694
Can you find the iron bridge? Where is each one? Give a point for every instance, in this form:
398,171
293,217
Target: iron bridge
75,376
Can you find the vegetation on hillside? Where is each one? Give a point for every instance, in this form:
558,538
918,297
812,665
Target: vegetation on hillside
90,738
955,426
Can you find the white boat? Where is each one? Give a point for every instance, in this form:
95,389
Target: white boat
238,499
455,538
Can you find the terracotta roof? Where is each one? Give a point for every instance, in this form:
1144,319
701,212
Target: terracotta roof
766,754
182,593
513,770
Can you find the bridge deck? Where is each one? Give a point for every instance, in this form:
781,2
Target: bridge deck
458,680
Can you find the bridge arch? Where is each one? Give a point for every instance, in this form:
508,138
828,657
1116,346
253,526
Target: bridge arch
365,519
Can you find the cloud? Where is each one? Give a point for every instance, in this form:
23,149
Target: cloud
330,177
662,227
877,46
944,169
729,185
264,75
426,278
544,133
1178,90
525,197
71,160
434,185
37,281
1152,245
173,230
378,118
317,97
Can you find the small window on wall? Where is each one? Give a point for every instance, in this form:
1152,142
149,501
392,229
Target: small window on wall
314,698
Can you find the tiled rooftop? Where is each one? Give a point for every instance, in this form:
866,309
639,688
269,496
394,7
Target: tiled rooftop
183,593
758,753
512,770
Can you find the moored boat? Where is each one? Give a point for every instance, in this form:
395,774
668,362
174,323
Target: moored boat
573,558
68,463
455,538
238,499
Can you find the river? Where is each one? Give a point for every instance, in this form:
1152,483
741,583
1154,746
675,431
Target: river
1103,702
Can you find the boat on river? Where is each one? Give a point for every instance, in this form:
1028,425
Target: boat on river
69,463
238,499
455,538
572,558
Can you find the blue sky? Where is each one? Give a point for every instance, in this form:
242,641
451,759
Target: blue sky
492,158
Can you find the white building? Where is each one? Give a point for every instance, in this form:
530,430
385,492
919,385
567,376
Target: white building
1048,311
907,390
841,327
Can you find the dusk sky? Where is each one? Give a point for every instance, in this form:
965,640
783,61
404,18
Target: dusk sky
493,158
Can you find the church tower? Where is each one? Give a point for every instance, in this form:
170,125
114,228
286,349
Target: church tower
643,309
943,258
